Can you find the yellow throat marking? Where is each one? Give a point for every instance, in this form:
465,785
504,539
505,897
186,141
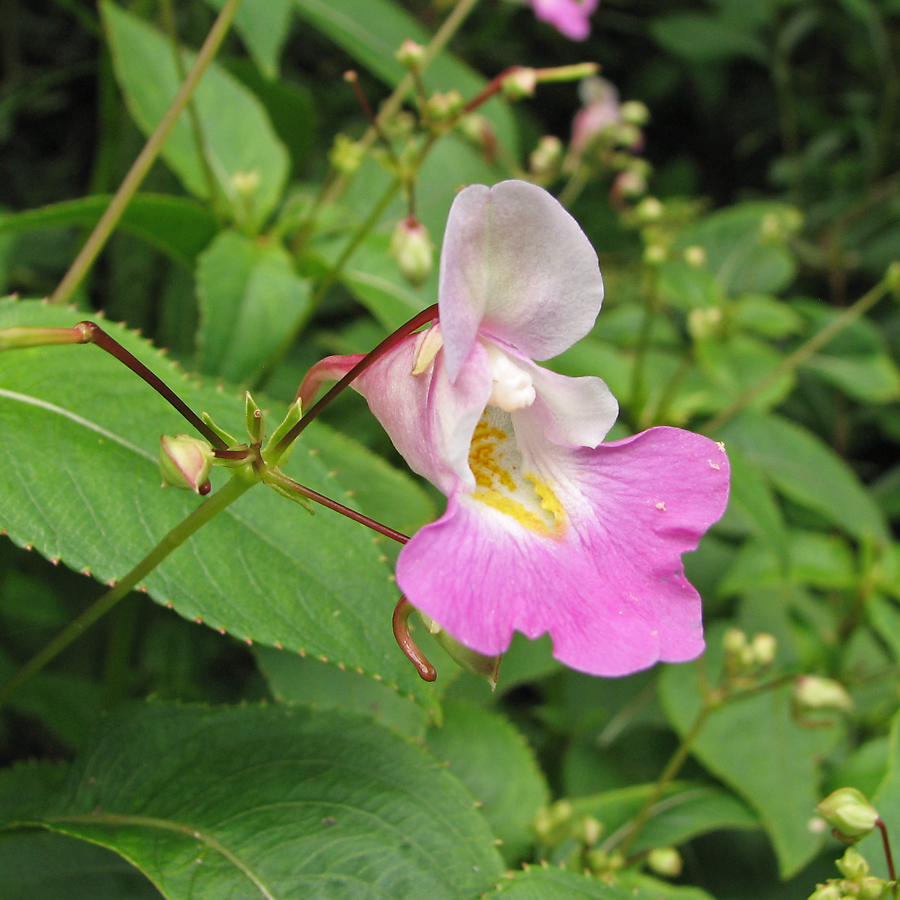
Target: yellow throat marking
495,462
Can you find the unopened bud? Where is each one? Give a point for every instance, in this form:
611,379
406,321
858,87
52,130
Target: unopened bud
410,54
849,813
627,135
246,183
764,647
588,830
704,323
546,157
521,82
892,278
552,824
603,863
814,693
629,185
479,130
852,865
412,248
656,254
695,256
185,462
649,210
445,106
665,861
346,155
634,112
828,891
872,888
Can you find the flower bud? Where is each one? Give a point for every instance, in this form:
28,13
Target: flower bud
872,888
849,813
346,155
588,830
552,824
852,865
246,183
695,256
634,113
892,278
410,54
649,210
814,693
546,157
442,107
488,667
764,646
828,891
629,185
665,861
412,248
185,462
521,82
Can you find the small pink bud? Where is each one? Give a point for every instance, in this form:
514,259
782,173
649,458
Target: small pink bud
411,55
185,462
412,248
520,83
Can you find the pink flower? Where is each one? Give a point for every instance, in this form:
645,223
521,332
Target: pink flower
546,529
570,17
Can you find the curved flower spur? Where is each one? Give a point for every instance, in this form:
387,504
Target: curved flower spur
546,528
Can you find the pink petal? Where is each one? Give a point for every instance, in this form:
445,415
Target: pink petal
569,17
611,589
516,267
333,368
429,420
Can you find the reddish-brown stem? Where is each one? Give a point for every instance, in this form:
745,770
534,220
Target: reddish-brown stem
352,79
889,857
416,322
94,334
287,483
402,610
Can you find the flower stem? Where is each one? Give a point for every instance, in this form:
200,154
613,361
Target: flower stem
286,483
402,611
207,510
94,334
132,181
416,322
888,856
800,355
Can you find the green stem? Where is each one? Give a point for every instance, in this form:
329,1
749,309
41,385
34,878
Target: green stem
710,702
207,510
132,181
800,355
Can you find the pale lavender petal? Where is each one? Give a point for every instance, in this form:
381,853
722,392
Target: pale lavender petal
515,266
569,17
429,420
572,412
610,589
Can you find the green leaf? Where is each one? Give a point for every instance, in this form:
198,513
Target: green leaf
239,143
266,802
701,38
746,246
752,500
56,867
263,26
687,287
685,811
493,761
766,316
561,884
857,361
179,227
251,302
293,679
753,745
887,801
79,480
807,471
371,33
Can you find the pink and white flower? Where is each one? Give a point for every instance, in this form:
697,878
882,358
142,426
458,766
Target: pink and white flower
547,529
569,17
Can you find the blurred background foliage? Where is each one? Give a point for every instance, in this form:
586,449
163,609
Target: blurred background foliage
758,204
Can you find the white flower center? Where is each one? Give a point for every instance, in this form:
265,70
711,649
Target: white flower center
512,387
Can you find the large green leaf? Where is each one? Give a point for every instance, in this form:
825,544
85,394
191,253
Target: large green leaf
753,744
371,33
263,26
236,133
493,760
179,227
79,481
251,302
264,802
56,867
807,471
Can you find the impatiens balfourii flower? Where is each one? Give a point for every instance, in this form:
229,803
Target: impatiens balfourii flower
569,17
547,529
